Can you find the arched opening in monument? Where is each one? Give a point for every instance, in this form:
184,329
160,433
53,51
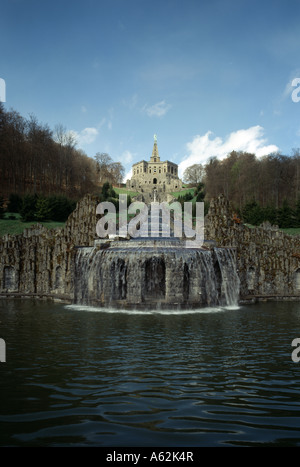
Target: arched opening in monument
155,279
9,278
297,279
154,181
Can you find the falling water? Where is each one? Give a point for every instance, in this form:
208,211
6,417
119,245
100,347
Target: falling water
155,273
230,278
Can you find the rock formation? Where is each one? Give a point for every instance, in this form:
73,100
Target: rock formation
268,260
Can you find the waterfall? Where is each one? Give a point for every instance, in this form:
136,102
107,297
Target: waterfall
230,278
155,273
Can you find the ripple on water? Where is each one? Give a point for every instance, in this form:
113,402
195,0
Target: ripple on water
87,377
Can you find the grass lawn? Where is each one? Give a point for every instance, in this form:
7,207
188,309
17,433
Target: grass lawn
15,227
124,191
291,231
294,231
176,194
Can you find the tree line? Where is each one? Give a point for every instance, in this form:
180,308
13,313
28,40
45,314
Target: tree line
259,189
36,160
34,207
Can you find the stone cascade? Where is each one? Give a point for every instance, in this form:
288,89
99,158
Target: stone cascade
130,274
41,262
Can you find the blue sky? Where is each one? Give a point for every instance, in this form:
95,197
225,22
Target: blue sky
206,76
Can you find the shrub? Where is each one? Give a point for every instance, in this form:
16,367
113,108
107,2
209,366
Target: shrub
60,208
14,203
252,213
28,208
43,209
286,216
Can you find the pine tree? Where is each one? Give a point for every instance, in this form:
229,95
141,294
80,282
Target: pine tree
271,215
252,213
28,208
42,209
286,216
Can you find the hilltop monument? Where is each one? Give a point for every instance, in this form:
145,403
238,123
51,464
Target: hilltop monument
155,179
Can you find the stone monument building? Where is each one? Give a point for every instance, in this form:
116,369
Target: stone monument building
155,179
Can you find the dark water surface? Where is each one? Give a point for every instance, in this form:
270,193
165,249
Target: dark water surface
75,376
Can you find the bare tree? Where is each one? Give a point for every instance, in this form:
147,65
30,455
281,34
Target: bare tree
193,174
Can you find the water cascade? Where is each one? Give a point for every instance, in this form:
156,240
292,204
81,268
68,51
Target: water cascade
155,273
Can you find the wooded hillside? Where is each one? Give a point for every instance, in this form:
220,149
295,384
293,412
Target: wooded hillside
36,160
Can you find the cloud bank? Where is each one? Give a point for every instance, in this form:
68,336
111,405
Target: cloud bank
203,147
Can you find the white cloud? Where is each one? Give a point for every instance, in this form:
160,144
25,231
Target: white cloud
157,110
127,176
126,157
86,136
203,147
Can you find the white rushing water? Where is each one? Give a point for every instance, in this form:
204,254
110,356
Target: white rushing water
155,275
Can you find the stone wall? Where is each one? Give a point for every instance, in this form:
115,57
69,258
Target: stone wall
40,261
268,260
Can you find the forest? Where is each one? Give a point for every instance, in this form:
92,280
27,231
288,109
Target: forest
259,189
39,161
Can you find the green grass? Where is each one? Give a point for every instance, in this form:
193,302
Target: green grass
294,231
15,227
124,191
176,194
291,231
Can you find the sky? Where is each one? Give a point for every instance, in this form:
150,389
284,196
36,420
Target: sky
206,76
